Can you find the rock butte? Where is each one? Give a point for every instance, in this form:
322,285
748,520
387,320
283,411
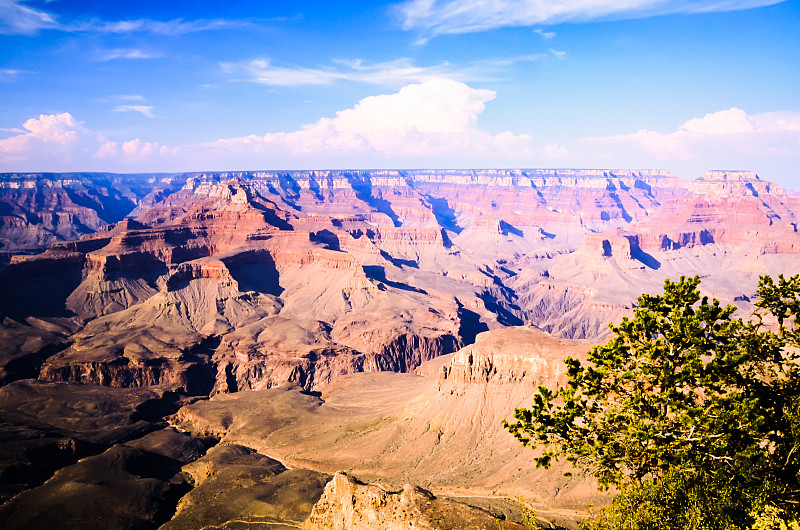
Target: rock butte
376,322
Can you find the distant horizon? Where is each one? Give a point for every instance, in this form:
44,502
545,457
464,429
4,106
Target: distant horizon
398,169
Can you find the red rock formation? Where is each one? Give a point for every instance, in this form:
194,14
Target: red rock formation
396,266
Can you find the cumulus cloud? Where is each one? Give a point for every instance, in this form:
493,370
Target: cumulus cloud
59,142
135,153
554,152
145,110
430,124
434,119
467,16
421,124
55,131
728,138
137,149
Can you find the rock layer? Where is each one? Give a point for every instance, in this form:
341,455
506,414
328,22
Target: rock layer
291,298
233,281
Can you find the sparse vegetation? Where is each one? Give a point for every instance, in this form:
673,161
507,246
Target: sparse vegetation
692,414
527,514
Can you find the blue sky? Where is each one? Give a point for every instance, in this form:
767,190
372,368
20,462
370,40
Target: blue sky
685,85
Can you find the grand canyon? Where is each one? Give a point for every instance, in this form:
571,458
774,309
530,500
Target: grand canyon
328,349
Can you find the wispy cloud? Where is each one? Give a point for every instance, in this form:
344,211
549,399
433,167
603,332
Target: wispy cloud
128,53
19,19
145,110
545,34
16,18
388,73
439,17
174,27
8,74
262,71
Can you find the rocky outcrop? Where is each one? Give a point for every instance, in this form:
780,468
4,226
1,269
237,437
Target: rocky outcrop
349,504
520,357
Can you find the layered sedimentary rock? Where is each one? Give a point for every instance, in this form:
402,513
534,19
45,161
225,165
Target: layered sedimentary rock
293,298
232,281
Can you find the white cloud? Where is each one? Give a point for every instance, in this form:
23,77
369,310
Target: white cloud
128,53
263,72
731,121
48,136
137,149
18,19
434,119
145,110
466,16
176,26
8,74
728,138
554,152
400,71
435,122
107,149
430,124
58,142
388,73
545,34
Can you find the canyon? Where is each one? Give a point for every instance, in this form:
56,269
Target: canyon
279,347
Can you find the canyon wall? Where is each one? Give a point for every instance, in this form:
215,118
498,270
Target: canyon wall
220,282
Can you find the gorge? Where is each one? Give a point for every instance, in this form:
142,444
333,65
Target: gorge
203,349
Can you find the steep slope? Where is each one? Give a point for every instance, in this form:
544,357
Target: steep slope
248,280
440,430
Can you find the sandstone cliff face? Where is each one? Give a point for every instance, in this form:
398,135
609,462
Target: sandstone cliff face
522,358
392,268
38,209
